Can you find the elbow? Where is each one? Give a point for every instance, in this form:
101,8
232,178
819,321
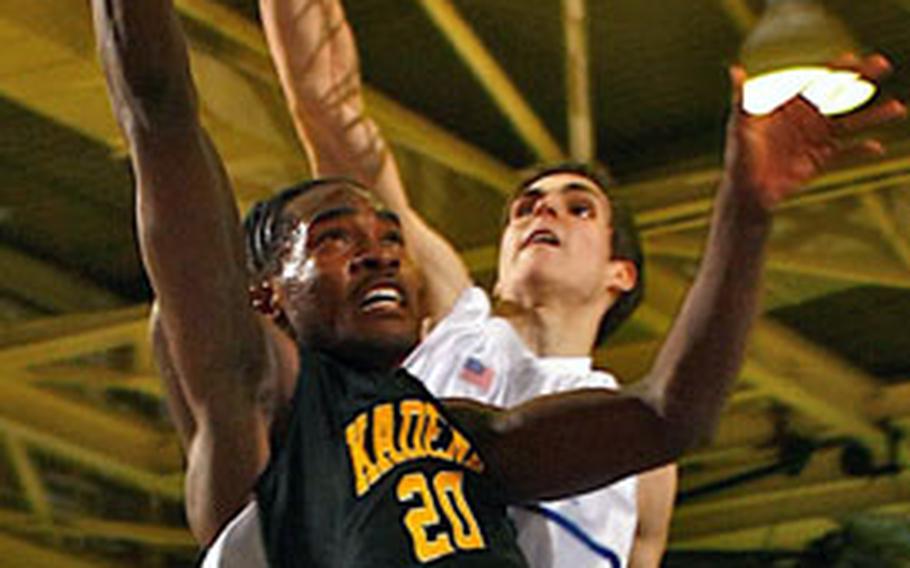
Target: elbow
682,427
682,435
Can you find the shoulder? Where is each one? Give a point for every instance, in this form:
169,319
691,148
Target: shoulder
468,314
601,378
472,305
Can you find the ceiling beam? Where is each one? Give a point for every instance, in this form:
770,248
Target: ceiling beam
18,553
29,478
127,441
407,129
846,270
79,527
168,486
505,94
49,287
578,81
886,223
792,535
74,94
400,125
96,378
785,499
54,339
693,196
740,437
743,435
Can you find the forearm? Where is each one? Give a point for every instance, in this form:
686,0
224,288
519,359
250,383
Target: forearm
188,224
314,53
143,55
704,348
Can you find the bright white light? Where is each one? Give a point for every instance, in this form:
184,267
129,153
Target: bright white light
764,93
839,92
831,91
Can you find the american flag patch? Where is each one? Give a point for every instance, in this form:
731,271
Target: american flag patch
477,373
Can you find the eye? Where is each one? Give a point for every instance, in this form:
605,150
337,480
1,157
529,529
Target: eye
393,237
331,236
522,207
582,209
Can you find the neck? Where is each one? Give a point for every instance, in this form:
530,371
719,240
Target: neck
369,356
553,328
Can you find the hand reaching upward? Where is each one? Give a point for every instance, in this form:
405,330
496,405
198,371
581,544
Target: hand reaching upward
772,156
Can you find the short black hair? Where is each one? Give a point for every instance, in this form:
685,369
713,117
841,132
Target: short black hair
625,242
266,228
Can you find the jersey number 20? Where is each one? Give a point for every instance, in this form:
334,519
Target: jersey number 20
447,488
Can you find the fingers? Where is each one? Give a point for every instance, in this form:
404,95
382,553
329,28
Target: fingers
811,125
737,80
857,151
876,115
873,67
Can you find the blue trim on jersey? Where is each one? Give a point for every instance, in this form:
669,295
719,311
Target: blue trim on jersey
573,529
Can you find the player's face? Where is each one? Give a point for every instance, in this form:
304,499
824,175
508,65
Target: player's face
346,283
558,235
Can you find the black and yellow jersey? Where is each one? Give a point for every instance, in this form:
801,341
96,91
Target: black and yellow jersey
370,472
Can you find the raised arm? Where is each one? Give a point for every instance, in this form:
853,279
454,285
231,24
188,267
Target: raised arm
191,246
767,158
314,52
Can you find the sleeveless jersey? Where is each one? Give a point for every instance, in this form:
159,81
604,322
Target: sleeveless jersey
372,473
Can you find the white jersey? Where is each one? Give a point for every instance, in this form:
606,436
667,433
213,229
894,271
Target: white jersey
239,544
472,354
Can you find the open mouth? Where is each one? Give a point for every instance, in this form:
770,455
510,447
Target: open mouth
382,297
544,237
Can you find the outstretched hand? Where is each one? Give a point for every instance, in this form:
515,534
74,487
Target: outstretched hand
774,155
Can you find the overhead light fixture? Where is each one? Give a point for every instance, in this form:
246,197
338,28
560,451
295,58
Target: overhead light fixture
787,53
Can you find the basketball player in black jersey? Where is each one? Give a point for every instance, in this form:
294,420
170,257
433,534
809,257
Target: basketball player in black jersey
353,463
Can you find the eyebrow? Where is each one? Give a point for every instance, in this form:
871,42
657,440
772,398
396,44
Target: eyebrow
387,215
333,213
581,187
568,188
346,210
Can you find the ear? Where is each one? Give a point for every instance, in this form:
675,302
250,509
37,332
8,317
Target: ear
622,275
265,298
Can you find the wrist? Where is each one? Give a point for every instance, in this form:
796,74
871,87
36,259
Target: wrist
747,198
740,205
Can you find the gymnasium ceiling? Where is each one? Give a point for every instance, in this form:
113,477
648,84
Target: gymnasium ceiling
469,92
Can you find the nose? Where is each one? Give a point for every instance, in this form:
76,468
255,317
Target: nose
376,256
545,206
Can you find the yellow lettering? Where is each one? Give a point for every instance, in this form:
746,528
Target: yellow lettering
414,436
365,471
458,448
431,433
411,427
421,517
387,455
448,488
